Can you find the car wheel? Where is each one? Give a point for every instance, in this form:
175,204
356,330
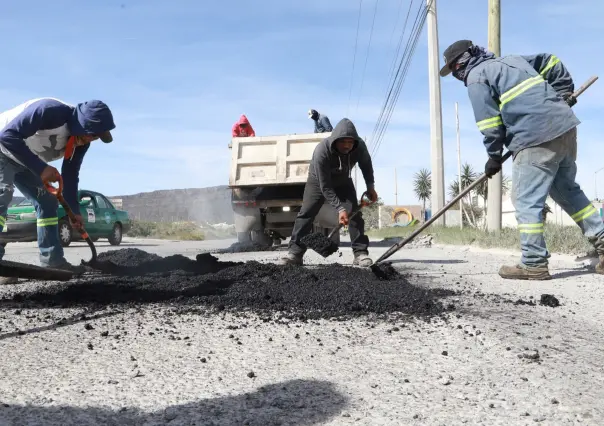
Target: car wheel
65,232
116,235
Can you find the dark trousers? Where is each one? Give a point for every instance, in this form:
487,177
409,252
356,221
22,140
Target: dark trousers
311,204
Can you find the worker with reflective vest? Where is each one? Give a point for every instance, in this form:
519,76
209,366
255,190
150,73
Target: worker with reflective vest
524,103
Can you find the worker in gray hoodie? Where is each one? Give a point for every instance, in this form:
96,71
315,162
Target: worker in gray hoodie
329,178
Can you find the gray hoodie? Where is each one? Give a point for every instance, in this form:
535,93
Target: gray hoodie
332,169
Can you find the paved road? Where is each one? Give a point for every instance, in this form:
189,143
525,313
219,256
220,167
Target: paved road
505,363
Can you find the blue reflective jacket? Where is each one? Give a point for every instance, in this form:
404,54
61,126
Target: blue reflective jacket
518,100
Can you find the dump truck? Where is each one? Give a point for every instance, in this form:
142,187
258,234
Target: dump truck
267,178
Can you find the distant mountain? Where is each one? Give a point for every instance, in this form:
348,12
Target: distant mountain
211,204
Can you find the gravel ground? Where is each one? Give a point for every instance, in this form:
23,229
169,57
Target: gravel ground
499,358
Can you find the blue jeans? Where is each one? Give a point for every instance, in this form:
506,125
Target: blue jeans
550,168
13,174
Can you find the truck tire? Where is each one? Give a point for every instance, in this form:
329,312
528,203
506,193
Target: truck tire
244,237
260,238
335,238
247,219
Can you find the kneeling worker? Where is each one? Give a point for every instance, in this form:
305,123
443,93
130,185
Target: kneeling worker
329,178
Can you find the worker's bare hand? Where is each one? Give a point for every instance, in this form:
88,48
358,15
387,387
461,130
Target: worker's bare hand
50,174
343,217
373,196
78,223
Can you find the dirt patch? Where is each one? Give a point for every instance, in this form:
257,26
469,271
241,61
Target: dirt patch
294,291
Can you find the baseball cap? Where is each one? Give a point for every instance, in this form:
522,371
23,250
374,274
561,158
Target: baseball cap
452,53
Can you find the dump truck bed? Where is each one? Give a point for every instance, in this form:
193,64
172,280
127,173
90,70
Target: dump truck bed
272,160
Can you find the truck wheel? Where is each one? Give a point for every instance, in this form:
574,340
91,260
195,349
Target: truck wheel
115,238
244,237
260,238
65,232
336,236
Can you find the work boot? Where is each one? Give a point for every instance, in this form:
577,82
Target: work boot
522,272
9,280
292,259
600,265
66,266
362,259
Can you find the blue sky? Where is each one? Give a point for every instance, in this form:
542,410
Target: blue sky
177,74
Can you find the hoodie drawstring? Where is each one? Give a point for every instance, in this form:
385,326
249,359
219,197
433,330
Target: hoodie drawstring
340,159
349,170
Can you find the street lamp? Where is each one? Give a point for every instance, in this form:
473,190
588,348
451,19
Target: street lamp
596,181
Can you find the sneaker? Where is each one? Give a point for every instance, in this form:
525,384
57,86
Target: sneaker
9,280
292,259
362,259
522,272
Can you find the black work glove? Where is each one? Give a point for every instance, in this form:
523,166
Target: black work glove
492,168
570,99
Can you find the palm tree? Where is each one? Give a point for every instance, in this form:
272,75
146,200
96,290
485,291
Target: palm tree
468,176
422,186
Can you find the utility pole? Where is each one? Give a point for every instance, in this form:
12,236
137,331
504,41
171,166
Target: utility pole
395,189
494,184
596,183
436,128
460,184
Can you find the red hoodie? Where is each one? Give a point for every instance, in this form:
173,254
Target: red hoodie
241,132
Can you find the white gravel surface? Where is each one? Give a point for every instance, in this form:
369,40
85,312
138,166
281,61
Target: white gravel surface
491,363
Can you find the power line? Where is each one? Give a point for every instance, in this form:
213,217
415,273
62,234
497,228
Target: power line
393,66
399,78
354,57
367,57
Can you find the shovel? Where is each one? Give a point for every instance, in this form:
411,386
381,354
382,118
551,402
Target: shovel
105,266
380,273
325,245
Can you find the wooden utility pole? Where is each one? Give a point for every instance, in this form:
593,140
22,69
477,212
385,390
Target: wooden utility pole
495,183
437,200
395,189
459,182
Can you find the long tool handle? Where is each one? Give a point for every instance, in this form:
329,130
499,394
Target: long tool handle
396,247
58,192
365,201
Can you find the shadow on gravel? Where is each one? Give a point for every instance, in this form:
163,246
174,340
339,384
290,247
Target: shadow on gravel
331,291
295,402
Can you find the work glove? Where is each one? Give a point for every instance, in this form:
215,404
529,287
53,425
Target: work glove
492,167
570,99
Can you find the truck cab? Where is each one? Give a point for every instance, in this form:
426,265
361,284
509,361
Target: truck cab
267,179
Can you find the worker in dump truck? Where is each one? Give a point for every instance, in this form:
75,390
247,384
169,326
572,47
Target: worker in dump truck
329,178
524,103
35,133
242,128
322,123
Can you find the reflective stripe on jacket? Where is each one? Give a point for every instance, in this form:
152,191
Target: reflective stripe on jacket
517,102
